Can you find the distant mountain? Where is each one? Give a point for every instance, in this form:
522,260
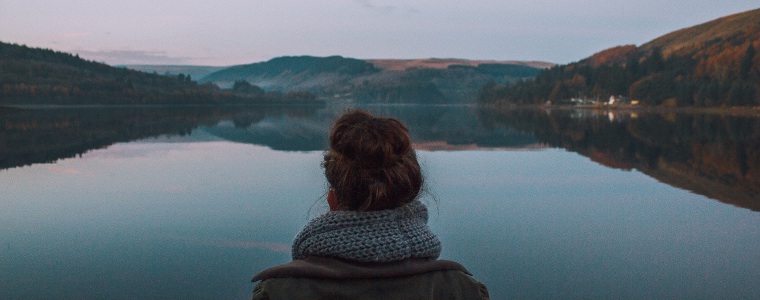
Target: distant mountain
293,72
33,76
377,81
443,63
708,65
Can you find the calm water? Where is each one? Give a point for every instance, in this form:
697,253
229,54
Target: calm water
167,203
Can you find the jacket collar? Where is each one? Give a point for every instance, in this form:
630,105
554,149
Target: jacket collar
333,268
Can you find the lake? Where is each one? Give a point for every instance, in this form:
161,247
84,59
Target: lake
161,202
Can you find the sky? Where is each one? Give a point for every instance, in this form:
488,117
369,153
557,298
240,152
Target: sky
230,32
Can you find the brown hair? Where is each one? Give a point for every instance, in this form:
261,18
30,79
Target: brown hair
371,164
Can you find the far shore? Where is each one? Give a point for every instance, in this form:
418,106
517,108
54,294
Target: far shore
16,107
734,110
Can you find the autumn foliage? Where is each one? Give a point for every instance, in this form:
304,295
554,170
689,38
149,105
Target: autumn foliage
715,64
613,56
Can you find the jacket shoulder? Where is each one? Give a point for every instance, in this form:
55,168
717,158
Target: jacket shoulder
442,284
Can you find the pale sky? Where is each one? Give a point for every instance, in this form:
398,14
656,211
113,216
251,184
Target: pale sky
228,32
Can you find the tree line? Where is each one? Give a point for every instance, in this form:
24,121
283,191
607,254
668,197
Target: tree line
718,73
42,76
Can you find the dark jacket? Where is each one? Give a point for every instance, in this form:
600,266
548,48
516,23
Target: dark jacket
329,278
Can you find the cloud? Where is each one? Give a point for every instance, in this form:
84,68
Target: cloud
383,8
69,171
74,35
177,188
225,243
139,149
274,247
132,57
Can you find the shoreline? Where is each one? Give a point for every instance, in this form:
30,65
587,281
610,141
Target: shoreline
18,107
733,111
753,111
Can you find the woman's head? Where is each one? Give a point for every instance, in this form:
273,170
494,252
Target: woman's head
371,164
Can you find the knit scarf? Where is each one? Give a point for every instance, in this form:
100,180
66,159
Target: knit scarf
372,236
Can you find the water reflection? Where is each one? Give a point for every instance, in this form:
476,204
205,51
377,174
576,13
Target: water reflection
183,212
46,135
42,136
710,154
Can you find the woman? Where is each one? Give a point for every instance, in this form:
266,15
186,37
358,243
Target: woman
374,242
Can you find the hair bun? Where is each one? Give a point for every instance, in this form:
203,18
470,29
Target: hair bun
371,141
371,164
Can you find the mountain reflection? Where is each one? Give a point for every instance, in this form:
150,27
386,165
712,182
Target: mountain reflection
713,155
709,154
431,127
33,136
46,135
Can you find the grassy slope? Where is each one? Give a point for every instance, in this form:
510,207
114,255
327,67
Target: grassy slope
723,28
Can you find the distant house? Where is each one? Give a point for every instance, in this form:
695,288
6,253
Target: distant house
582,101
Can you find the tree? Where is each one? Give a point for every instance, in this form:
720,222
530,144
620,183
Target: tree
245,87
655,62
746,64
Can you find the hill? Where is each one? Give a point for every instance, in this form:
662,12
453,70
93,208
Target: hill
741,26
377,81
443,63
293,72
714,64
33,76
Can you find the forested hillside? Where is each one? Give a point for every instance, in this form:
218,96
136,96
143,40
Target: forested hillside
293,72
41,76
714,64
393,81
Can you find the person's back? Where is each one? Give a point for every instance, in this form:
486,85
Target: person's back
374,242
329,278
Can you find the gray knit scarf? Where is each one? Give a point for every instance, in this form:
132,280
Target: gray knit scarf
373,236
